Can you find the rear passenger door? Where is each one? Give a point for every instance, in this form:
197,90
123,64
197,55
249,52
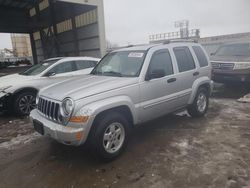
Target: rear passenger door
187,73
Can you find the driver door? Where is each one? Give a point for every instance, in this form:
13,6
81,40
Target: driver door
156,92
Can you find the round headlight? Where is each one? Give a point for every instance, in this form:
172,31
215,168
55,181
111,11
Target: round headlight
67,106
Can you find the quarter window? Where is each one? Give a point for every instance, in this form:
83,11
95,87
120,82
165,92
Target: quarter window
200,56
161,60
63,68
85,64
184,59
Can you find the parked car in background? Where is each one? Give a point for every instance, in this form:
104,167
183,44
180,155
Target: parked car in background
231,63
18,91
128,87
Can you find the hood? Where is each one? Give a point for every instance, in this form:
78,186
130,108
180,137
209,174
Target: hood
13,79
230,58
83,87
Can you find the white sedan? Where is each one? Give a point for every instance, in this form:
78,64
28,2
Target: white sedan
18,91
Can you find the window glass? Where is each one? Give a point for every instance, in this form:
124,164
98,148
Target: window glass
63,68
161,60
83,65
184,59
200,56
238,49
121,64
39,68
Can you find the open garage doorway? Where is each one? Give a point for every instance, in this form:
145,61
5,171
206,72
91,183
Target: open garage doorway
56,28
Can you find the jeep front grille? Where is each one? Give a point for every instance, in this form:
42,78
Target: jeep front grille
223,66
49,109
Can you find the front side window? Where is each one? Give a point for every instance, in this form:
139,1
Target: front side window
38,68
121,64
184,59
63,68
161,60
200,56
239,49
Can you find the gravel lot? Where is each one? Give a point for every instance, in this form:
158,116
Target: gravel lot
173,151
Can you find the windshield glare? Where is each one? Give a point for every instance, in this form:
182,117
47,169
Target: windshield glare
121,64
39,68
242,49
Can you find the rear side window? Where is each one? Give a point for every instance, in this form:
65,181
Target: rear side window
63,67
184,59
80,65
161,60
200,56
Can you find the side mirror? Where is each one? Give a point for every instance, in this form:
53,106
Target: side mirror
49,74
157,73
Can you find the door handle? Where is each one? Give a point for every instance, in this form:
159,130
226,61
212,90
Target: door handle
171,80
196,73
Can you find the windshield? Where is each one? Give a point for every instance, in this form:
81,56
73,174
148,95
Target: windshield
242,49
121,64
39,68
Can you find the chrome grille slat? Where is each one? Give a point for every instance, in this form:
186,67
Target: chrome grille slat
225,66
48,108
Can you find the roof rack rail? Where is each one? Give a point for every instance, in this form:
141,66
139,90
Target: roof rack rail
179,40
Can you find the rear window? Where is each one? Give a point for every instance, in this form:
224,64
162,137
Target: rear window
200,56
184,59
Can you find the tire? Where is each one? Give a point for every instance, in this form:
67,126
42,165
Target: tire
116,128
200,105
24,103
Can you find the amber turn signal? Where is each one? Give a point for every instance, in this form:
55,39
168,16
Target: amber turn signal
79,119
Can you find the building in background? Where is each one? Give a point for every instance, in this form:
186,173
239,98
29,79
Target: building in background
21,45
211,44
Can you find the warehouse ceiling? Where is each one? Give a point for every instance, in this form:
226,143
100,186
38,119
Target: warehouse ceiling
18,4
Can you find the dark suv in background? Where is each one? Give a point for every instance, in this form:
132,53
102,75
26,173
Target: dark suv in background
231,63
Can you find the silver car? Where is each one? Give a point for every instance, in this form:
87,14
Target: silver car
127,87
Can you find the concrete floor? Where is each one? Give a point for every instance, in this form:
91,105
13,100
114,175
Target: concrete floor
173,151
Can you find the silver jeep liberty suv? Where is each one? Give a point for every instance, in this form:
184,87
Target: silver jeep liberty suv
127,87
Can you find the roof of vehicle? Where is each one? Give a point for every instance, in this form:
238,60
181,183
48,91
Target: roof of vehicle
54,58
137,47
73,58
148,46
238,42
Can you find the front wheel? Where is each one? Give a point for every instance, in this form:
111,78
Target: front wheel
110,136
24,103
200,105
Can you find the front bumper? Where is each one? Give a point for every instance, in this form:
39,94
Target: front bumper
72,134
225,77
4,101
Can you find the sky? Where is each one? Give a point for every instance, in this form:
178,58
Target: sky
132,21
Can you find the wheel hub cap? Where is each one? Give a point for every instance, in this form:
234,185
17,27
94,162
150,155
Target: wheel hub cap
202,102
27,103
113,138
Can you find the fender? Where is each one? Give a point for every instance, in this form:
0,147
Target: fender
94,108
197,83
